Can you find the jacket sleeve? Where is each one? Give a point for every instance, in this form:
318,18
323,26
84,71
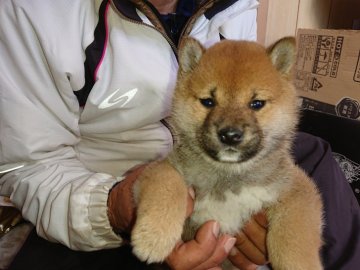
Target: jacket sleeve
341,236
39,124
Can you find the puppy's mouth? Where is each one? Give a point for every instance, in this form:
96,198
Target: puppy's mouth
233,154
230,144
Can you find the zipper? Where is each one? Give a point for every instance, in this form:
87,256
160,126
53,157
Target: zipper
168,39
200,10
171,129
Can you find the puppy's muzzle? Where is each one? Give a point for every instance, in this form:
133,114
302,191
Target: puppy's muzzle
230,136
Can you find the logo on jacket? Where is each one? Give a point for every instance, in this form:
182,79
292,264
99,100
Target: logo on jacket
115,99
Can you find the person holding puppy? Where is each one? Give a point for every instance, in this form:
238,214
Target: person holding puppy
86,87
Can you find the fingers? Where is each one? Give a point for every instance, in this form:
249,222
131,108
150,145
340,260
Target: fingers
256,234
206,251
250,248
190,254
261,219
224,245
241,261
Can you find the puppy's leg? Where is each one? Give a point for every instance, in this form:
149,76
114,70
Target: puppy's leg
161,196
295,225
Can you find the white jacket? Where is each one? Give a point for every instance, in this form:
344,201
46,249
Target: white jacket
51,51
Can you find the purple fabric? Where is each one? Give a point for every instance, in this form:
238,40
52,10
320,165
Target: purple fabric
342,213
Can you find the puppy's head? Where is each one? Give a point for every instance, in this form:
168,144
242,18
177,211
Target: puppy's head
235,101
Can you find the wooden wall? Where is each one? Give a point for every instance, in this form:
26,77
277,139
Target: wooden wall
279,18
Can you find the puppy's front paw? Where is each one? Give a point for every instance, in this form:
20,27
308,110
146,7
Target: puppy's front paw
153,240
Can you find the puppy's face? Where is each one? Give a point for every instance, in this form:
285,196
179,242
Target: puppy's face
234,100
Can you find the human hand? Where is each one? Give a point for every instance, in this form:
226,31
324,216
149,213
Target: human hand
250,248
121,205
207,251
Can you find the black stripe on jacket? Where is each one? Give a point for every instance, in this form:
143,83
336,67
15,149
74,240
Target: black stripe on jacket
95,50
93,55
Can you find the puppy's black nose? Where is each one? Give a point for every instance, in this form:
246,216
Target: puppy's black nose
230,136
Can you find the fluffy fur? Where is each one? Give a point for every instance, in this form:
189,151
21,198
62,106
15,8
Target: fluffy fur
234,116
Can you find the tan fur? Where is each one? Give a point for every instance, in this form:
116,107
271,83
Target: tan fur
236,157
157,229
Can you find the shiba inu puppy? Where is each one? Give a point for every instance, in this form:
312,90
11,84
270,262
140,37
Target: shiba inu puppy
234,116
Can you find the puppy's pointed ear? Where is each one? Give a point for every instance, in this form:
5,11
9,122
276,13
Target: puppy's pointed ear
190,53
283,55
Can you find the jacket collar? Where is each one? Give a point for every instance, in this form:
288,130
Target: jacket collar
208,7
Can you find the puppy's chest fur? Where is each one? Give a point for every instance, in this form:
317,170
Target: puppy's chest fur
233,209
232,199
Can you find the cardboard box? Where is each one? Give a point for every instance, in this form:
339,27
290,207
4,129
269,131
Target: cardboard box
327,72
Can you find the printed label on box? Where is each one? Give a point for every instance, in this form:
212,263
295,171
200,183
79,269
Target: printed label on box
306,81
323,55
337,57
327,71
348,107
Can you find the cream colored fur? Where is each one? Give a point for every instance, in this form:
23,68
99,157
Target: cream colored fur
234,117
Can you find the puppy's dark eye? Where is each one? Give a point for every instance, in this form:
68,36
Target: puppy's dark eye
257,104
207,102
